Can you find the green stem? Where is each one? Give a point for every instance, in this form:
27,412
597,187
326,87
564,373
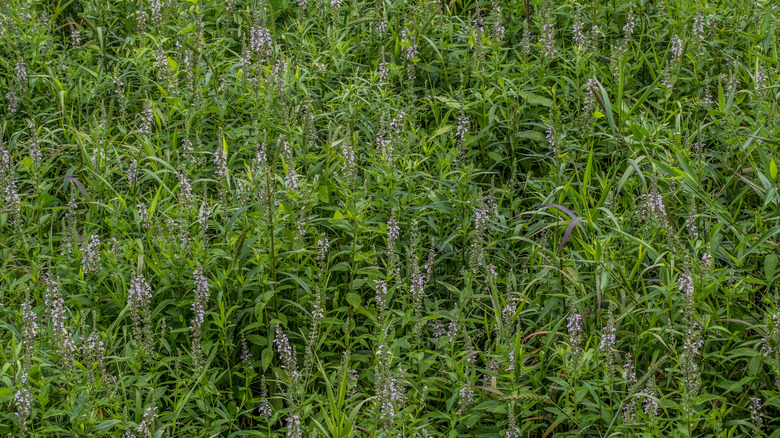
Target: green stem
271,234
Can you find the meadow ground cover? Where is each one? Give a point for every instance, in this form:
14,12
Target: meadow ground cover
389,218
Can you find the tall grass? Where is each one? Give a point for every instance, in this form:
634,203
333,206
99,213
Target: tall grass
359,218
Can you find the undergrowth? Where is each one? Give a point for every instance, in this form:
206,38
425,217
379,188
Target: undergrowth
388,218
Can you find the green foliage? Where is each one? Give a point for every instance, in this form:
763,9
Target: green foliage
354,218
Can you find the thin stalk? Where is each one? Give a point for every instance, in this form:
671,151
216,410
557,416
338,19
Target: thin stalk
272,252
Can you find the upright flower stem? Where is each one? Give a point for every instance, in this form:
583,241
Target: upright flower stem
271,228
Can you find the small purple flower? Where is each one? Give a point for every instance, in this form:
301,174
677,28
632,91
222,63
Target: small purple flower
463,128
140,294
693,343
156,10
335,6
574,327
90,256
677,47
279,71
75,38
628,371
29,324
188,151
391,396
23,400
203,215
265,409
511,366
294,427
628,28
393,230
690,224
417,285
547,38
608,337
409,47
21,72
147,116
145,426
652,206
286,353
760,79
384,71
247,358
491,272
260,156
132,172
686,286
513,432
381,295
220,160
439,330
551,137
757,412
260,41
13,102
143,213
650,405
201,299
706,260
466,397
322,252
580,40
55,304
698,27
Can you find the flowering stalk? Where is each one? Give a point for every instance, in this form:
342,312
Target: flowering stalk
650,404
498,27
629,375
466,394
607,344
146,426
393,233
24,401
389,389
139,298
264,409
484,212
547,31
93,353
55,304
260,41
90,255
29,333
246,356
289,358
199,306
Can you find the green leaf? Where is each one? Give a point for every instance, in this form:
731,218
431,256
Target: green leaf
608,110
257,340
534,99
265,357
106,425
770,268
354,299
323,191
442,130
532,135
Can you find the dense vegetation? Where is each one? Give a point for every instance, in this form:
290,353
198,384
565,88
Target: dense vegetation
389,218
